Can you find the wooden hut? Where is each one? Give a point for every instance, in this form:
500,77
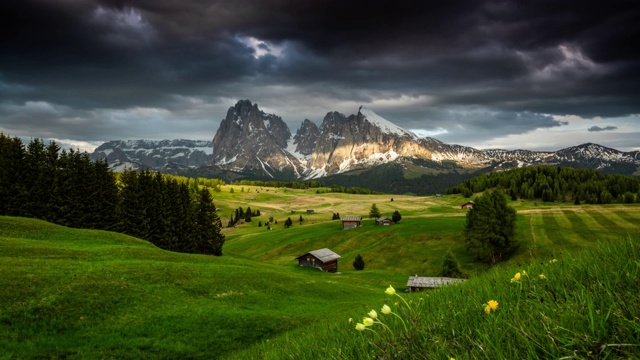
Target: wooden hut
383,220
323,259
467,205
417,283
349,222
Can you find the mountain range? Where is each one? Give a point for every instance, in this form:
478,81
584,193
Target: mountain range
251,144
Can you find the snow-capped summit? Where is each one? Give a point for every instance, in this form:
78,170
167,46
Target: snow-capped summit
384,124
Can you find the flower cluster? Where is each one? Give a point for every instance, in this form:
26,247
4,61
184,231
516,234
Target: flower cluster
492,305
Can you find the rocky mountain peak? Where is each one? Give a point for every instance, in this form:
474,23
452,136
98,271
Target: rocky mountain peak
306,137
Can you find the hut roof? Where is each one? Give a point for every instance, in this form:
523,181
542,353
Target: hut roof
323,255
382,218
352,218
431,282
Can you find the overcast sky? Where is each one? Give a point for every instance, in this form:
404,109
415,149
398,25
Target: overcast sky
540,75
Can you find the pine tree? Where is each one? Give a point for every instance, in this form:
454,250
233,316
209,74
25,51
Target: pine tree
396,217
450,266
358,263
207,235
374,212
490,227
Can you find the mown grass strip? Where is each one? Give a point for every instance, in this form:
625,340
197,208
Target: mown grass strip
579,226
554,231
624,219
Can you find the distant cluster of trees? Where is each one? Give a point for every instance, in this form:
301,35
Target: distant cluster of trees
67,188
241,214
552,183
320,187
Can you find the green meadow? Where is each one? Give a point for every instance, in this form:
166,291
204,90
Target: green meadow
71,293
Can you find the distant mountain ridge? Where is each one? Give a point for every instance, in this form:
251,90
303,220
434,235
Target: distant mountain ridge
253,144
167,155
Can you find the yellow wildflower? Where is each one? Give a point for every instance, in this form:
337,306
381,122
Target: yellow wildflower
360,327
367,321
493,305
373,314
390,290
542,276
350,320
516,277
386,310
524,273
553,261
487,309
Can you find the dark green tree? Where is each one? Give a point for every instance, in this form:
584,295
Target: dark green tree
358,263
207,233
450,266
490,227
396,217
374,212
287,223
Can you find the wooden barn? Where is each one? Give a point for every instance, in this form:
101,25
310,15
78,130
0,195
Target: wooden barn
383,220
349,222
417,283
467,205
323,259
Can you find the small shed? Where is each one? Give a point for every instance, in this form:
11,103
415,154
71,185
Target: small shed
383,220
349,222
323,259
417,283
310,211
467,205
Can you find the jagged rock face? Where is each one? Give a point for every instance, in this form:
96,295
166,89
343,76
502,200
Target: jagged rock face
363,140
306,138
250,140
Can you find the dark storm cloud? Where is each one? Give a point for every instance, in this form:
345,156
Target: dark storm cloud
606,128
487,68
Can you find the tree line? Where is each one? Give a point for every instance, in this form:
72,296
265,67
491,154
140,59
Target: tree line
67,188
552,183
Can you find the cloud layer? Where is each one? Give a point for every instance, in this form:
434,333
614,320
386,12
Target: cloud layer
94,70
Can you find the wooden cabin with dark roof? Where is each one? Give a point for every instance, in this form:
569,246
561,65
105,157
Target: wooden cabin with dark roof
323,259
467,205
349,222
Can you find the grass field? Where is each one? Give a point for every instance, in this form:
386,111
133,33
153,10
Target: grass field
69,293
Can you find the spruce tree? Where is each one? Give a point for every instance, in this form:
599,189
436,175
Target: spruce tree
374,212
490,227
358,263
396,217
450,266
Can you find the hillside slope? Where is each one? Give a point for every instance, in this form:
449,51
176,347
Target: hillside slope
69,293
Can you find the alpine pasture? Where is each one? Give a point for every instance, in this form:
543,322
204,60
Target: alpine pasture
71,293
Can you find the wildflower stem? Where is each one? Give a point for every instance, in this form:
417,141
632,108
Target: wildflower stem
403,323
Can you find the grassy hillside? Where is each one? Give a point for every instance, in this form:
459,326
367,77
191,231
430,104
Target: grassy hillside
429,227
68,293
580,305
